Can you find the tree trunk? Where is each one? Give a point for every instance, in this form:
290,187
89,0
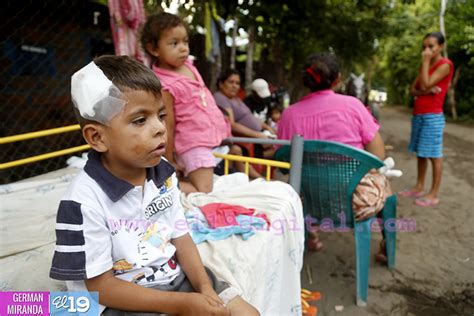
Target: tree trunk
249,62
441,26
451,94
234,46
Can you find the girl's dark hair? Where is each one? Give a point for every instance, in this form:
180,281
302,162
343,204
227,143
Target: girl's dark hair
155,25
226,74
320,71
438,35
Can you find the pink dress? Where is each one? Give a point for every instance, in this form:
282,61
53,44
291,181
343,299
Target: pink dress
326,115
199,122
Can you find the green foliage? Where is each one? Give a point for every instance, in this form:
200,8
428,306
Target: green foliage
460,32
289,31
379,37
102,2
400,49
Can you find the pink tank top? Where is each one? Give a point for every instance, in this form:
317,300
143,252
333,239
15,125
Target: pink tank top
199,122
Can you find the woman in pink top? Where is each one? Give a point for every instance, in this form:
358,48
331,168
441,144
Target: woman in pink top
195,124
326,115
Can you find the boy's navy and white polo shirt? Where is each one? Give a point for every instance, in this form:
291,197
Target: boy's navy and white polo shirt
106,223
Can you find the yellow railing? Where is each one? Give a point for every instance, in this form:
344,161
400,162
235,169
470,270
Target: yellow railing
46,132
248,160
53,154
21,137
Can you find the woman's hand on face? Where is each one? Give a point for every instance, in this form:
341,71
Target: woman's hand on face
427,54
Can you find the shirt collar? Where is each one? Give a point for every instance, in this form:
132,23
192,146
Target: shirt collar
320,92
116,188
326,91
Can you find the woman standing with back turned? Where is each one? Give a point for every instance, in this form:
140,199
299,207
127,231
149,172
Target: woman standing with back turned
429,89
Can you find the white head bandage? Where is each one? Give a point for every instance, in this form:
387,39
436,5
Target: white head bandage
94,95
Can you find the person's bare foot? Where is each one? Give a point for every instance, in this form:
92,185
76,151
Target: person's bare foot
381,255
430,196
314,244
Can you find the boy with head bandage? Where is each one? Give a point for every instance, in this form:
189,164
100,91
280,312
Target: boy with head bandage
120,227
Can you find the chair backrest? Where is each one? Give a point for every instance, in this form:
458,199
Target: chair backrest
330,174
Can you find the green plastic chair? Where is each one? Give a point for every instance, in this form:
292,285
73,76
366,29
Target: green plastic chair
330,174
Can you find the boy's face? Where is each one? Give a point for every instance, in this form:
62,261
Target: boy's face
135,138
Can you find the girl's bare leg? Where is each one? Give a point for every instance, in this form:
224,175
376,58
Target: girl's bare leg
201,179
240,166
437,173
420,180
186,187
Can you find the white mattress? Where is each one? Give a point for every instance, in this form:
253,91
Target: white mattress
265,268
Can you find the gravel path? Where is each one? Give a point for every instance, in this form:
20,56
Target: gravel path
434,272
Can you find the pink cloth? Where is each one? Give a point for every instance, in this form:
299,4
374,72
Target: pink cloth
325,115
126,18
196,158
221,214
199,122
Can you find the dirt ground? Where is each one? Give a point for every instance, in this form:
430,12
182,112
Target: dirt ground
434,273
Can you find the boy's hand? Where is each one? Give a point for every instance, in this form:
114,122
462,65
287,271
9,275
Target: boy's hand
200,304
209,291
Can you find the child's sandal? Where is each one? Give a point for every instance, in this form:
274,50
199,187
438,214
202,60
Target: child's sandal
307,296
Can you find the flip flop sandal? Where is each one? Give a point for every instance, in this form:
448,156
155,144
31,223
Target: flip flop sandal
307,296
309,310
381,256
424,202
410,193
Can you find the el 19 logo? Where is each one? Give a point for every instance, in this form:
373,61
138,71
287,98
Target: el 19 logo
78,303
73,304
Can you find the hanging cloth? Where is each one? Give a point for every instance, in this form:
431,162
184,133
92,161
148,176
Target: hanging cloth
212,22
207,26
126,18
